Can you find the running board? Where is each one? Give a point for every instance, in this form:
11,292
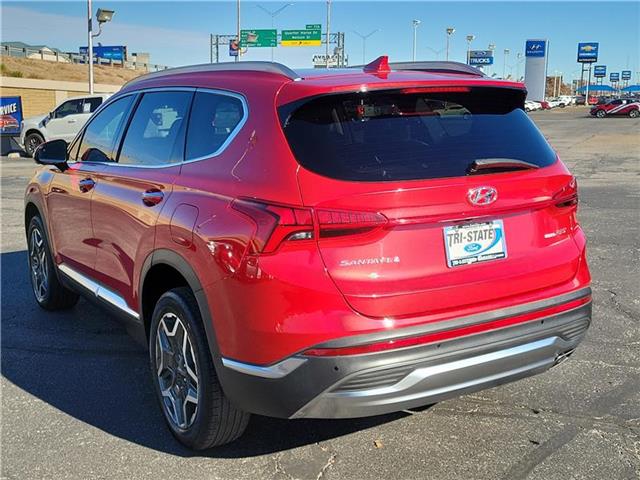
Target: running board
100,292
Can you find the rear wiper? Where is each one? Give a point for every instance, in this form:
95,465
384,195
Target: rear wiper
486,165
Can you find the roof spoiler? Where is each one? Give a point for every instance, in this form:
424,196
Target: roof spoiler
382,65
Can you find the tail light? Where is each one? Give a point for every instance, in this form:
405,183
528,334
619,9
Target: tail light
276,223
335,223
568,196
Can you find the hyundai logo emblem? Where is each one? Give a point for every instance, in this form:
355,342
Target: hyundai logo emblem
482,195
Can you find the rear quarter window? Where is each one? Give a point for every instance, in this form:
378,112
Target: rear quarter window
412,134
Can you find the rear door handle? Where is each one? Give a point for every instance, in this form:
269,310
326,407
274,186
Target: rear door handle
86,184
152,197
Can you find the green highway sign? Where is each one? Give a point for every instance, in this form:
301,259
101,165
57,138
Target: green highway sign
259,38
302,38
313,26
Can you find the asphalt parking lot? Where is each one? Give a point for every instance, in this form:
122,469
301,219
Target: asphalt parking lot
77,400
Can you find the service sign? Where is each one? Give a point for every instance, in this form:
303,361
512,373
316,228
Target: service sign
535,48
600,71
614,76
10,115
626,75
588,52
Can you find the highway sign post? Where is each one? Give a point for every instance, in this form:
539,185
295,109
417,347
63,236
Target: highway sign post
259,38
309,37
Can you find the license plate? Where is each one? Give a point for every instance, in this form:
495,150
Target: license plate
474,243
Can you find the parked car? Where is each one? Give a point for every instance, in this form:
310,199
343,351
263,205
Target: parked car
315,244
544,105
555,102
63,122
530,106
618,106
566,100
580,100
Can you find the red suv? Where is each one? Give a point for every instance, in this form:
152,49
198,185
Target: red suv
319,243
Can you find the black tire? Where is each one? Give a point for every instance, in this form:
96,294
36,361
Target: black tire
215,421
32,142
601,114
50,293
634,113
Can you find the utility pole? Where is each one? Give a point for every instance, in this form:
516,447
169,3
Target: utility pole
90,45
364,42
328,33
415,37
492,48
450,31
470,38
504,65
238,31
274,14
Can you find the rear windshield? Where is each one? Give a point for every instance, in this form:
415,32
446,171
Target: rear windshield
412,133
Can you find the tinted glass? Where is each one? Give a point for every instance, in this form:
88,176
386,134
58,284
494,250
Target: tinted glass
156,133
405,135
100,135
91,104
71,107
213,118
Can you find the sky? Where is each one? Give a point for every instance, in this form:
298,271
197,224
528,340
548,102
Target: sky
177,33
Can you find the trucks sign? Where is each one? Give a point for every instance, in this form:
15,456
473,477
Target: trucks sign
309,37
588,52
600,71
480,57
10,115
259,38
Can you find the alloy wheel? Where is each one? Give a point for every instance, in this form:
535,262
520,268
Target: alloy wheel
177,371
38,264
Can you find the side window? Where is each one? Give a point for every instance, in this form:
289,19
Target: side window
156,133
91,104
100,135
213,119
616,102
70,107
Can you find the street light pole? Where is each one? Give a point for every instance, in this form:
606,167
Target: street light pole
328,33
504,65
492,47
470,38
364,42
450,31
415,37
90,44
274,14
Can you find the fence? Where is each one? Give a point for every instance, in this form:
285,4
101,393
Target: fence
55,56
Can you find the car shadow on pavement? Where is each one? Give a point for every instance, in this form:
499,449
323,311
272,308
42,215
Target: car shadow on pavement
83,363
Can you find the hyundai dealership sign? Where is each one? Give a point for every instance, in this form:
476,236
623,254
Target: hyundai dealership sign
535,68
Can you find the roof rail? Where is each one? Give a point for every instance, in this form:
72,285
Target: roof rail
252,66
444,67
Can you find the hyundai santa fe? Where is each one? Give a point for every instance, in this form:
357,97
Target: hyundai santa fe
315,243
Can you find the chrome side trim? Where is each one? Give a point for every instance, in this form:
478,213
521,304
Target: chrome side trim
98,290
278,370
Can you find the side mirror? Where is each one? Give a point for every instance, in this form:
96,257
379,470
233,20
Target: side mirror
52,153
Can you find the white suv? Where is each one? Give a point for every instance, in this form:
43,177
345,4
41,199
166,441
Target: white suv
64,122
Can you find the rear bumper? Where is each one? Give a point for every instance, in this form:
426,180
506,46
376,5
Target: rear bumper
382,382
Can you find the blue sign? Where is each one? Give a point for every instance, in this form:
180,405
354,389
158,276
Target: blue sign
600,71
535,48
626,75
588,52
233,48
10,115
117,53
480,57
614,76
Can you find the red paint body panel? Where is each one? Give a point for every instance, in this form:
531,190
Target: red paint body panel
266,307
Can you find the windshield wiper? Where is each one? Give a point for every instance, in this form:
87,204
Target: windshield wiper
491,165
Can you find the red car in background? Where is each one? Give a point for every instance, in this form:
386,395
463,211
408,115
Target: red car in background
315,243
8,121
620,106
